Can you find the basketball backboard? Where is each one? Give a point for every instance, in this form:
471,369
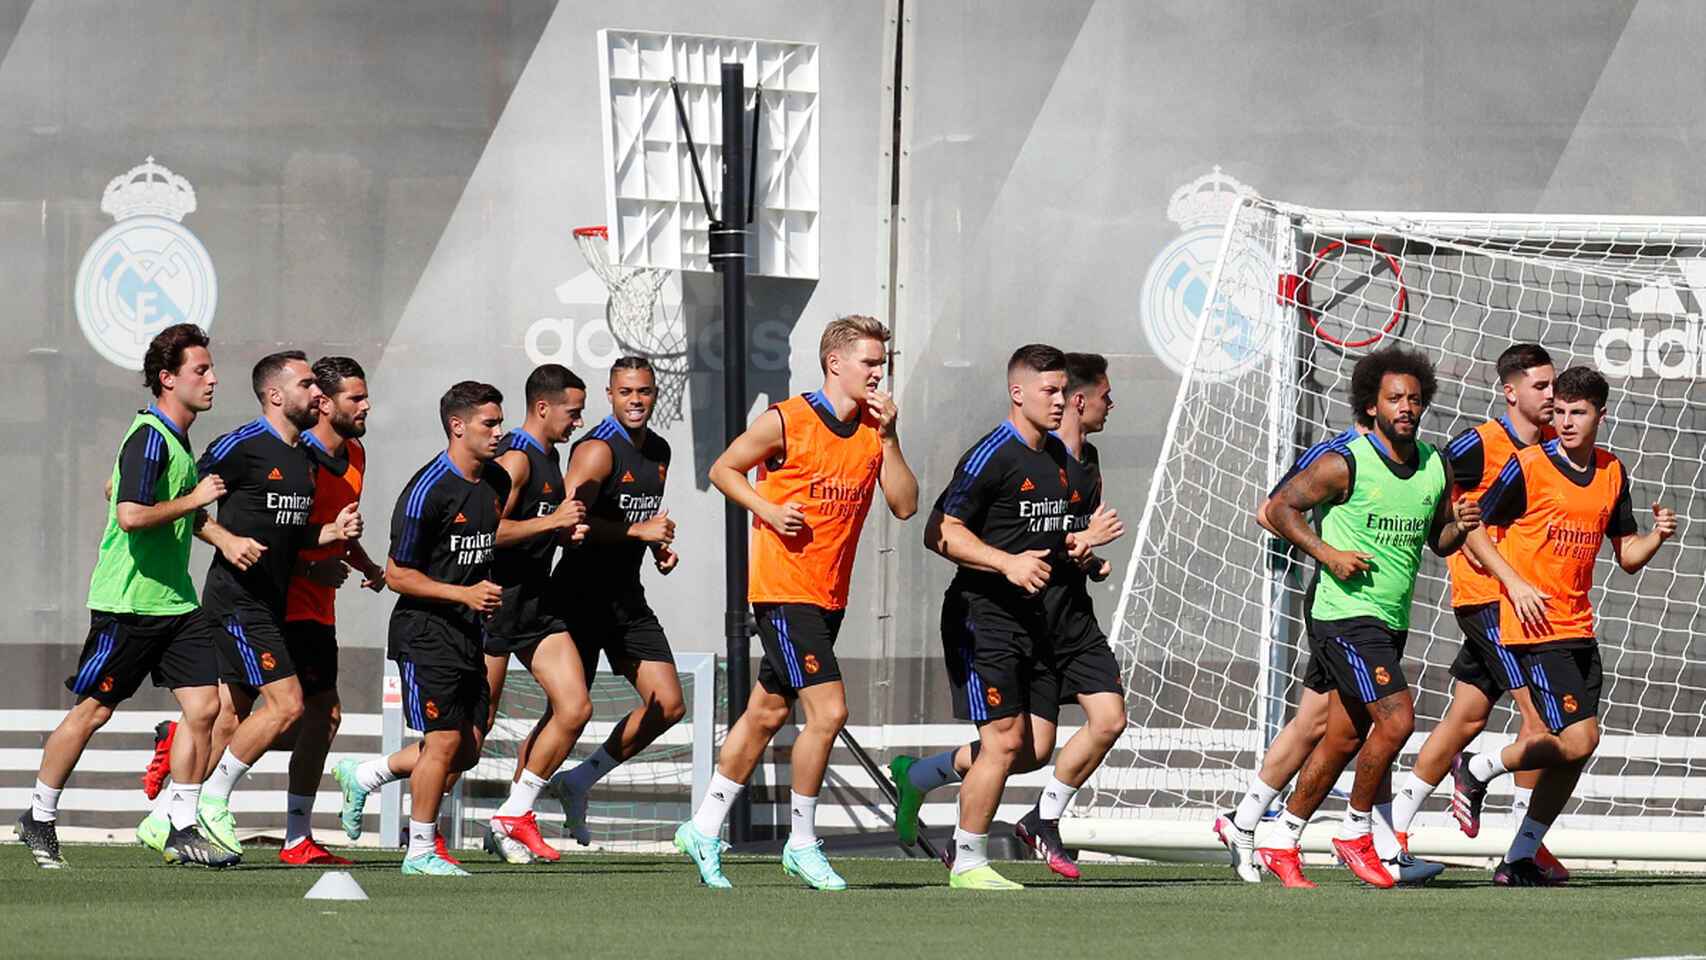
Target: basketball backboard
652,205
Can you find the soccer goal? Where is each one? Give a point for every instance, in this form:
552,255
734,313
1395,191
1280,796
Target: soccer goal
1208,627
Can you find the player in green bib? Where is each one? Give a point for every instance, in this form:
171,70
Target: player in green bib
1382,497
145,620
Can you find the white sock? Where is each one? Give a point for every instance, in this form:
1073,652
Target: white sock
1527,840
1519,803
298,818
804,821
1291,829
1056,796
935,771
589,771
422,838
1407,801
163,801
714,809
1385,838
1357,823
522,793
375,773
1486,766
44,802
225,775
971,850
1258,796
181,803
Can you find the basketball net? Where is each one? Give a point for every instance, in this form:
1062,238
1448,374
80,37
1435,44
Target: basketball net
637,323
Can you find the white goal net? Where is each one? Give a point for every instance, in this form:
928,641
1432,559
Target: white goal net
1209,629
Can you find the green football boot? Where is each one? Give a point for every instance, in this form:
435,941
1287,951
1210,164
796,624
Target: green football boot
153,831
213,815
911,800
705,852
810,865
355,798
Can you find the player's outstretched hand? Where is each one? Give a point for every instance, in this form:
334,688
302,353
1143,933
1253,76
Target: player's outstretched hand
348,522
659,528
1529,603
1029,570
787,519
665,558
1105,527
1664,520
483,597
882,407
1467,512
243,552
1345,564
210,489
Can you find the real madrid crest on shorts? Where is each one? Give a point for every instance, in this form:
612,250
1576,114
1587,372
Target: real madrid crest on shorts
147,271
1176,287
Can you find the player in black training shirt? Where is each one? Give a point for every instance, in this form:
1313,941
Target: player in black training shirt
269,487
535,520
444,532
618,469
1004,520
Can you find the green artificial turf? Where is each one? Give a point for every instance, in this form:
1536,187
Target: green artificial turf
121,902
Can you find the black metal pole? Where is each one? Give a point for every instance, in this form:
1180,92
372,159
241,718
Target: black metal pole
728,257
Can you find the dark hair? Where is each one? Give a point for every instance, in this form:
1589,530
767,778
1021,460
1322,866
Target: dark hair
166,352
271,366
1582,383
1373,368
1037,356
331,372
632,363
1084,370
463,397
1520,358
549,379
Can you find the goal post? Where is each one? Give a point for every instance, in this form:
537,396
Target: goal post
1208,627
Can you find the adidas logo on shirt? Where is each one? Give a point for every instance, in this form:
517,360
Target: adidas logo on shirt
275,474
460,518
1027,486
627,476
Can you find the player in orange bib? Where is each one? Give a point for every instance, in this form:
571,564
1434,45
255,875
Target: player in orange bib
309,613
1557,501
1484,670
820,457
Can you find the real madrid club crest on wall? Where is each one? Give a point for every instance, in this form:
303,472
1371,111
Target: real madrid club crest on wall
147,271
1176,287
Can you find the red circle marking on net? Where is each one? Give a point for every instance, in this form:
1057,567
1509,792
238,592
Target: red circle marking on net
1398,303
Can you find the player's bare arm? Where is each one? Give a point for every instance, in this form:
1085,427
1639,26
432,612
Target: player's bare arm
135,516
1327,480
589,466
567,517
1528,601
482,597
1454,517
345,526
950,538
900,485
240,552
1637,550
762,441
373,575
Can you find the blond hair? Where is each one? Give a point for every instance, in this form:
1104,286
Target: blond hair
846,331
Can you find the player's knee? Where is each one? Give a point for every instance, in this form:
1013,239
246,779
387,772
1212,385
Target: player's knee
91,715
1106,726
200,714
568,713
1578,742
334,717
287,707
670,709
1004,739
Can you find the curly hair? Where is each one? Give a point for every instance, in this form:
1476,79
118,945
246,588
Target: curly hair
1373,368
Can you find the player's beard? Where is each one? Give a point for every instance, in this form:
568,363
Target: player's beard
1389,430
347,428
303,417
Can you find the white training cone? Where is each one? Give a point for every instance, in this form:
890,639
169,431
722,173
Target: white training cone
336,885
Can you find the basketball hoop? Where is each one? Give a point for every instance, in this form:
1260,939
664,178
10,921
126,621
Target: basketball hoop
1365,319
636,322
